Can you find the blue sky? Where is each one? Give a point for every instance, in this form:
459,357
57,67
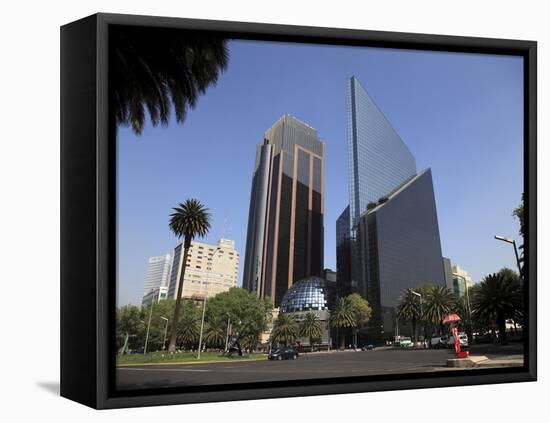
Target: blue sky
460,114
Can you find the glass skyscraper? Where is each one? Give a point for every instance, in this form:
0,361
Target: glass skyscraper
388,237
285,223
378,160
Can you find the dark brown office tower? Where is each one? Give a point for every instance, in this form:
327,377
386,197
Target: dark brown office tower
285,223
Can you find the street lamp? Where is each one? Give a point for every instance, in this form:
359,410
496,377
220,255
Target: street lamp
148,326
165,331
513,242
205,297
419,295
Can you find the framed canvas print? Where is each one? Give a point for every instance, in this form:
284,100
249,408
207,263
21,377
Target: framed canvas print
258,211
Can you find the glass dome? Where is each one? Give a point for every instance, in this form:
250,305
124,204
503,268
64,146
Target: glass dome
313,293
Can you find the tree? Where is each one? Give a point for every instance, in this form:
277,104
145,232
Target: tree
248,314
520,215
440,301
499,297
424,290
188,327
311,328
285,329
161,69
362,313
409,309
215,334
189,220
342,317
130,327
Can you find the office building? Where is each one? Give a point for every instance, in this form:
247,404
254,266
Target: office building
155,295
378,159
461,281
285,223
378,163
448,273
400,248
158,273
211,269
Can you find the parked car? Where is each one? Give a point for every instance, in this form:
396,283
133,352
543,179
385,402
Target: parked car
283,353
367,347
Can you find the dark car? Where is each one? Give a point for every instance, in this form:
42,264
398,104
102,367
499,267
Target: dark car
283,353
368,347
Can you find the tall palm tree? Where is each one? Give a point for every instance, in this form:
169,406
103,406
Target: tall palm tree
161,69
409,309
310,328
342,317
285,330
439,302
189,220
498,297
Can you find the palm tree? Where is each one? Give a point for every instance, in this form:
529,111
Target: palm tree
439,302
189,220
160,69
285,330
409,309
189,327
498,297
310,328
249,342
215,334
342,317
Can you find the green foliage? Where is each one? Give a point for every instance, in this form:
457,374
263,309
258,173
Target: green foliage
189,326
409,308
189,220
215,334
519,214
285,330
498,297
361,309
162,70
248,314
440,301
343,315
311,328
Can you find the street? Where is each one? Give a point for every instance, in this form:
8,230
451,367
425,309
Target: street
308,366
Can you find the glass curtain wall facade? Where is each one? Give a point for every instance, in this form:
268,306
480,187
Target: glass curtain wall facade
378,159
400,248
285,235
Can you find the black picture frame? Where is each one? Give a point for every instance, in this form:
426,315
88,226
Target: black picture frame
88,213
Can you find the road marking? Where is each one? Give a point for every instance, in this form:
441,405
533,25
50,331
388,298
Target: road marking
165,370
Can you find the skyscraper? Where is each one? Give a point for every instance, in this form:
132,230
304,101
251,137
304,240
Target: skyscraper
399,247
378,159
285,223
388,236
158,273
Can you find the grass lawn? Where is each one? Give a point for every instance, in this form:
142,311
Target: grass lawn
182,357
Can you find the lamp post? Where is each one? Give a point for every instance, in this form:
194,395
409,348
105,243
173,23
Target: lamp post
165,331
210,259
148,326
513,242
419,295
